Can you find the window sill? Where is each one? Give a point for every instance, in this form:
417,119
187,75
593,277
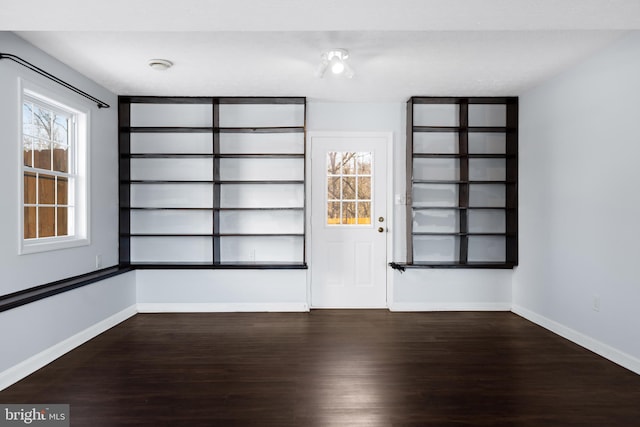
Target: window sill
45,245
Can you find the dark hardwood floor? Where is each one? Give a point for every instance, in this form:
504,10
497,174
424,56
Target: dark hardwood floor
334,368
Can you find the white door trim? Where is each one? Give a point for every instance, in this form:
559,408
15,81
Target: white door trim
388,137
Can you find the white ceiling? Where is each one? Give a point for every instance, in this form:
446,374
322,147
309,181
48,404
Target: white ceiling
398,48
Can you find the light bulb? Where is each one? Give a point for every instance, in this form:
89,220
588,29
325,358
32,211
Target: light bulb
337,67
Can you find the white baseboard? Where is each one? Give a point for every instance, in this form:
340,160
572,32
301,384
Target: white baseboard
462,306
623,359
35,362
220,307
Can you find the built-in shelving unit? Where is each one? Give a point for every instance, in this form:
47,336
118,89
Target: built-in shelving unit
462,170
212,182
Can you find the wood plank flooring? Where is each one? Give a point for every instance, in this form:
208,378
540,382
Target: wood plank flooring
334,368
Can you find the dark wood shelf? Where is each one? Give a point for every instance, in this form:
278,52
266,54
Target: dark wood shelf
469,234
151,208
460,208
258,235
168,181
463,129
460,156
278,129
167,129
260,209
213,107
259,156
219,266
274,181
479,265
167,235
459,151
168,156
459,181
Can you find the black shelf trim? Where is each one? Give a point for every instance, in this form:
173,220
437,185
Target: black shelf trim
260,209
435,181
144,99
17,299
219,266
162,181
275,181
460,129
483,265
168,129
151,208
460,156
461,208
255,100
466,99
469,234
258,235
167,156
260,156
275,129
166,235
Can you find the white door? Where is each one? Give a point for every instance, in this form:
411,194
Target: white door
349,220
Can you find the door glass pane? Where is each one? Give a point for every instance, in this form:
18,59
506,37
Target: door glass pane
349,183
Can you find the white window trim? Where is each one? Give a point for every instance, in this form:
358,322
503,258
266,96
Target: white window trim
82,214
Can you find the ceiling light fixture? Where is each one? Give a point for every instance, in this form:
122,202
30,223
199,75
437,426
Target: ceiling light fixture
160,64
336,61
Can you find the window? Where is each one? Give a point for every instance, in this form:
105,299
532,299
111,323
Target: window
53,168
349,188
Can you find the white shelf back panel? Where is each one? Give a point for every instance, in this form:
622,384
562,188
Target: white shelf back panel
258,143
261,115
172,169
172,195
486,249
436,248
179,115
486,221
262,169
172,143
171,249
282,222
487,195
436,115
435,142
487,169
436,221
487,115
436,169
171,222
487,143
262,196
261,249
440,195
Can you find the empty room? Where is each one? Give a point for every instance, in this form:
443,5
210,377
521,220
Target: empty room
338,213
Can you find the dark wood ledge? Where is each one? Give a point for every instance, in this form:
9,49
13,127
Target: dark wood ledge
16,299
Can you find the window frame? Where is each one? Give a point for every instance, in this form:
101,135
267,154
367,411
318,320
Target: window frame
79,168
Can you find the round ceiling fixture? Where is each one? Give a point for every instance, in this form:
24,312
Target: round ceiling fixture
160,64
336,61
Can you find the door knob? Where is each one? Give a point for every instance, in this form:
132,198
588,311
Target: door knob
380,229
381,219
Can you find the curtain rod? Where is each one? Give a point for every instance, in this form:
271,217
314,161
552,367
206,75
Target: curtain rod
61,82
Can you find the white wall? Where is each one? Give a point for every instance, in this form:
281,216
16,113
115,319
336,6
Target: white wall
25,271
416,289
580,203
36,333
221,290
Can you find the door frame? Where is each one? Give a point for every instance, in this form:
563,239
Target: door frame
388,137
